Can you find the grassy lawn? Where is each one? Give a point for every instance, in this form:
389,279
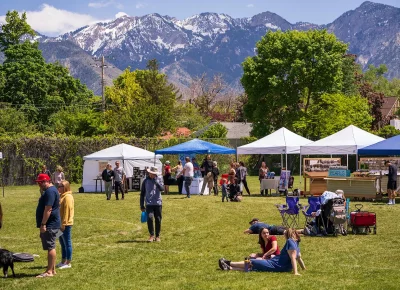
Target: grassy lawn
110,251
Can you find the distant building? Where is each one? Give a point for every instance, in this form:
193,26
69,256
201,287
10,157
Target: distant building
181,132
389,109
236,130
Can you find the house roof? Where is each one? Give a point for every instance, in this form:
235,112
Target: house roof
236,130
388,105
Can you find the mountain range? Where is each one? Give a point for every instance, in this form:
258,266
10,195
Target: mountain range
212,43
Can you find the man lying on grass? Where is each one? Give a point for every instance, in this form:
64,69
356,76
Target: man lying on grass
256,226
285,262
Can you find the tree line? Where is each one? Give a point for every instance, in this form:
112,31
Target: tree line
305,81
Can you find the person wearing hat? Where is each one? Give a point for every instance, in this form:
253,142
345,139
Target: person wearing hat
151,202
167,176
48,220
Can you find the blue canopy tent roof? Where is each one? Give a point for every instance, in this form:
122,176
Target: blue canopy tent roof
389,146
196,146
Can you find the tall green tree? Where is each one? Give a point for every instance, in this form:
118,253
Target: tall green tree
29,83
333,113
14,30
290,72
141,103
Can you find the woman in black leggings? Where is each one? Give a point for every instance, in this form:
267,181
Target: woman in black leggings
243,173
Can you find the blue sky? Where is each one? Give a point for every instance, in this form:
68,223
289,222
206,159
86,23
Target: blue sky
53,17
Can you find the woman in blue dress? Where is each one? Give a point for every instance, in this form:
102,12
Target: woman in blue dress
285,262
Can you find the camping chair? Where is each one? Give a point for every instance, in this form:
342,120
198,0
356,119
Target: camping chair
348,208
290,212
314,204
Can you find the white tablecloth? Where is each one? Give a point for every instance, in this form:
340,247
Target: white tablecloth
270,183
195,187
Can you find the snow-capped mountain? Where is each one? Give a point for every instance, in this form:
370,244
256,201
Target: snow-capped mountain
217,43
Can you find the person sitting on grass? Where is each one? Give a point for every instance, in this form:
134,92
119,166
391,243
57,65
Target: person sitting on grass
268,244
285,262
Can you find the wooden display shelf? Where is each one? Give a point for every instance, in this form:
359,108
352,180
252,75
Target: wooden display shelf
317,183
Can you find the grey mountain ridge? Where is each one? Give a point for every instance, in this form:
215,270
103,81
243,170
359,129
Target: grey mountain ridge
213,43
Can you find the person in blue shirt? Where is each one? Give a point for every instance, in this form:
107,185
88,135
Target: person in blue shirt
152,187
256,226
285,262
49,221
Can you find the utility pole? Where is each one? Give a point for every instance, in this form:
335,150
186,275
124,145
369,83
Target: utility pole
102,65
102,84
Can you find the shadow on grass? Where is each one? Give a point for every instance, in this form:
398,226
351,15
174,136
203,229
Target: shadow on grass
21,275
132,241
36,267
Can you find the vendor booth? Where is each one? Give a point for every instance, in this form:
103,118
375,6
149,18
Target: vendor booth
374,167
344,142
282,141
196,146
134,160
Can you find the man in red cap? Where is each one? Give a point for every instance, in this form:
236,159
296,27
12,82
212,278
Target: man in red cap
49,221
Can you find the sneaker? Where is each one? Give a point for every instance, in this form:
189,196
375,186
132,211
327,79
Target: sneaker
151,239
222,265
65,266
188,196
226,261
390,202
158,239
59,265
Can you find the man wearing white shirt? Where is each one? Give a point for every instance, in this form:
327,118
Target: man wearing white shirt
188,175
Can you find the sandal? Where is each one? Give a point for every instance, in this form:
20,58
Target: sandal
44,275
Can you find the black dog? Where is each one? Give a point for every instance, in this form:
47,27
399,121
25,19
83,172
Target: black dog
6,260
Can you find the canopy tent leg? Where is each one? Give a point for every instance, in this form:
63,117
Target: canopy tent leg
286,162
357,161
300,175
281,161
347,161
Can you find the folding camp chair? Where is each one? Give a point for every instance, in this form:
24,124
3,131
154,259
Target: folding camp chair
290,212
314,204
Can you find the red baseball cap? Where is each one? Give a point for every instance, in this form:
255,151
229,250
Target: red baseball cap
42,177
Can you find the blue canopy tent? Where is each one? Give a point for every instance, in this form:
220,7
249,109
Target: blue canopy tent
196,146
386,147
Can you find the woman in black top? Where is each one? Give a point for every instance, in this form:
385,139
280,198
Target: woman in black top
215,173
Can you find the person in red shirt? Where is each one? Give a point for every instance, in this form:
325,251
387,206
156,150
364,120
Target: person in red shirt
268,244
167,176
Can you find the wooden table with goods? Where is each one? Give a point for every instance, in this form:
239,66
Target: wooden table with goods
354,187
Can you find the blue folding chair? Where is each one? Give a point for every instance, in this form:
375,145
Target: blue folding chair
290,212
314,204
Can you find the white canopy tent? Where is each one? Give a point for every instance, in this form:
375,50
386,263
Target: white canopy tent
344,142
130,156
282,141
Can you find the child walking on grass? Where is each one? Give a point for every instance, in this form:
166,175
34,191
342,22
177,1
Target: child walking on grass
224,190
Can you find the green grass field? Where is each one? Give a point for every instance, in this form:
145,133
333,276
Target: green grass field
110,251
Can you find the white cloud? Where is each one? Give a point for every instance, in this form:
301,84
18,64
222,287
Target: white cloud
51,21
140,5
120,14
250,6
104,3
